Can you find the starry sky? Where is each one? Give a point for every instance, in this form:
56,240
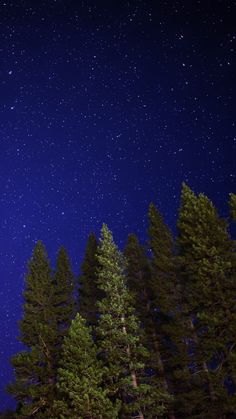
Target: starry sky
104,107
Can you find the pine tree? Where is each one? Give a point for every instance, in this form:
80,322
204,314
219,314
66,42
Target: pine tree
34,386
139,279
209,289
162,258
64,293
119,343
138,275
80,378
167,340
89,292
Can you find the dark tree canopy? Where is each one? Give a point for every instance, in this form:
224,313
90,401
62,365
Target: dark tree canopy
34,369
153,333
89,293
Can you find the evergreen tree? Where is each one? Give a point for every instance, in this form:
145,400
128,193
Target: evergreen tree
34,386
64,294
81,395
167,339
119,343
209,292
163,270
89,292
138,275
139,279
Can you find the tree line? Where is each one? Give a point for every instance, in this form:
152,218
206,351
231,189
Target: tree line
151,332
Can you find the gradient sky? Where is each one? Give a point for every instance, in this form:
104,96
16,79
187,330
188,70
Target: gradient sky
104,107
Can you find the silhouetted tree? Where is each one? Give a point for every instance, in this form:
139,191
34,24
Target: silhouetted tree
64,300
89,293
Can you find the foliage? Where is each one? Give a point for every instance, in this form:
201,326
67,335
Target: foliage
80,378
206,253
120,344
156,333
34,368
48,309
89,292
64,299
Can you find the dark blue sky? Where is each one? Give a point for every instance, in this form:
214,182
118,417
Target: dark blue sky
104,107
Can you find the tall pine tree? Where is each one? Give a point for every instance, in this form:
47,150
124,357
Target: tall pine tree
138,275
64,299
119,343
167,340
80,378
140,281
34,387
89,293
209,288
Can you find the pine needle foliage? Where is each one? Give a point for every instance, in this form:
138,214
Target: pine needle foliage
80,376
89,293
34,385
209,288
64,299
119,342
167,339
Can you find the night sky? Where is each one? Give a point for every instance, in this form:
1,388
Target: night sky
104,107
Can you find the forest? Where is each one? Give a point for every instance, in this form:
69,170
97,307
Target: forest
146,333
